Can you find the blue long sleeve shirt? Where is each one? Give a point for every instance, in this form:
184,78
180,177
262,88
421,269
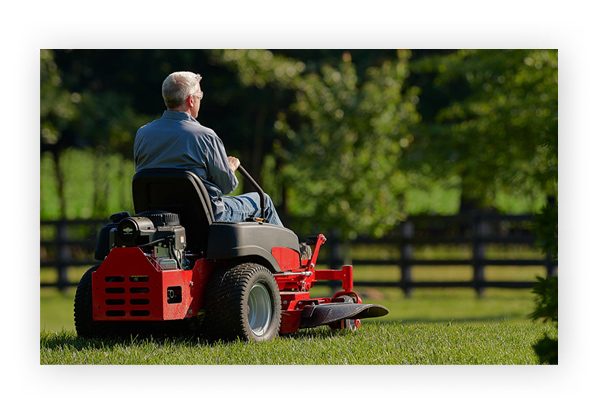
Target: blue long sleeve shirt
178,140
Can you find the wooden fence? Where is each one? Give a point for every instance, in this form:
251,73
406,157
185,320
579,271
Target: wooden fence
67,244
475,231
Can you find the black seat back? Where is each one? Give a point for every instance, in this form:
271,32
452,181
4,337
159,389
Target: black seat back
177,191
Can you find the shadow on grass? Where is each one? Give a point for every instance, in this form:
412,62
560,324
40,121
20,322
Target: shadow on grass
62,340
69,340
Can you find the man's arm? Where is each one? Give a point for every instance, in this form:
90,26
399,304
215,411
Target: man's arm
221,168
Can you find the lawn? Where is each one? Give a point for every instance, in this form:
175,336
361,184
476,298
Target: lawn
394,343
440,326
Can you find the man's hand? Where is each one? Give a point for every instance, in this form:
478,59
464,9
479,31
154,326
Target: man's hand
233,162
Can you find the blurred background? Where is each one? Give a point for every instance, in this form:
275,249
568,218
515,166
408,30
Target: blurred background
433,172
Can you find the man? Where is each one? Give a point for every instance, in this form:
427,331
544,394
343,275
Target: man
177,140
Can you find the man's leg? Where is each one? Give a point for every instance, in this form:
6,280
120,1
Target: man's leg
240,208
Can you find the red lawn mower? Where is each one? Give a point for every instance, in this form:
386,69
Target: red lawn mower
172,268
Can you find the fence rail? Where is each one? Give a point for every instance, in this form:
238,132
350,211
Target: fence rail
476,230
71,243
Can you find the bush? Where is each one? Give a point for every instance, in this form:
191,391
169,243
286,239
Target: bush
546,289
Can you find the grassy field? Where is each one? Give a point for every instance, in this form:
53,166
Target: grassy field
393,343
442,326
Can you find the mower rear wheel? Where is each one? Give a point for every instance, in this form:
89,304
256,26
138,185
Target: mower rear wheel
242,302
85,326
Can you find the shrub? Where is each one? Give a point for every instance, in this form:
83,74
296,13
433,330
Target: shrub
546,289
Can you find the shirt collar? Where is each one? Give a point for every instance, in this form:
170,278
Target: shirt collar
177,115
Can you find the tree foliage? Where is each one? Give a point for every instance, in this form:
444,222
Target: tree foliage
342,143
58,106
495,129
546,289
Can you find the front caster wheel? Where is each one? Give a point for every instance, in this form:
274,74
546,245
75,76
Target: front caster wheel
346,324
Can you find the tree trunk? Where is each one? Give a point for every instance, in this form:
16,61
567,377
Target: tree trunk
257,152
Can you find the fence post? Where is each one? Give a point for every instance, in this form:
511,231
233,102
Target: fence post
479,231
407,231
550,265
335,249
63,255
336,259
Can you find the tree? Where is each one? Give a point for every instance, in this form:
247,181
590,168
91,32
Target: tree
265,83
78,112
493,132
341,143
58,109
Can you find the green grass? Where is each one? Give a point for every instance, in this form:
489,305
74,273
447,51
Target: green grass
444,326
434,326
374,343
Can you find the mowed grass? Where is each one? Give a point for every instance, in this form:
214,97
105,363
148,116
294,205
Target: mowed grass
434,326
374,343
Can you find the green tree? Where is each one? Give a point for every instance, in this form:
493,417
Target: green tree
58,109
77,113
265,84
494,131
342,142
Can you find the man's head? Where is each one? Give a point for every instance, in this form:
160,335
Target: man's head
181,92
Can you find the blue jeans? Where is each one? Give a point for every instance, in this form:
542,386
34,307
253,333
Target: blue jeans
240,208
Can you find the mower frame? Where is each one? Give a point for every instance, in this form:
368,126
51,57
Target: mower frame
131,286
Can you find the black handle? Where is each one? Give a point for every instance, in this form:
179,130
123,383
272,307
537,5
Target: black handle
257,188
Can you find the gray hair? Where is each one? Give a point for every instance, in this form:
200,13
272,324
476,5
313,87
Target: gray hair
178,86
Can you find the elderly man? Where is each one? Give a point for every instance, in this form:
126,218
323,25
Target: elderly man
177,140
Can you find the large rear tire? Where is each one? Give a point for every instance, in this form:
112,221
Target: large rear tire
242,302
85,326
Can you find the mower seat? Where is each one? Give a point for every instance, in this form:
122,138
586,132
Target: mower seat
176,191
183,192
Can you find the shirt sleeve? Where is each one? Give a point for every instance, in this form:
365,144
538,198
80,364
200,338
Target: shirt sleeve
217,167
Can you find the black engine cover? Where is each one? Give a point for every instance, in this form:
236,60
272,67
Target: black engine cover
138,230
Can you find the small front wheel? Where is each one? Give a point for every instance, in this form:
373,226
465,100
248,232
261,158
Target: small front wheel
346,324
243,302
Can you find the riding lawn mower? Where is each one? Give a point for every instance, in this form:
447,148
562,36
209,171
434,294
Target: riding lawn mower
172,268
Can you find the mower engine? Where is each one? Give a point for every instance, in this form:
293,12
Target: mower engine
159,234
